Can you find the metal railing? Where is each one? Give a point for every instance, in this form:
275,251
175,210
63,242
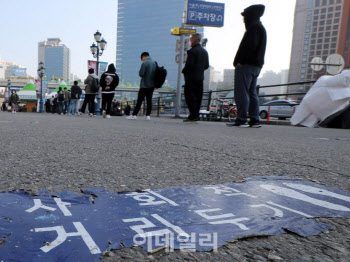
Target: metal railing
165,103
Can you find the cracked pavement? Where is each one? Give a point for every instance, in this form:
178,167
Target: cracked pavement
61,153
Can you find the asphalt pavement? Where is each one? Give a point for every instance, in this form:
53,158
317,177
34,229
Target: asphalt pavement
58,153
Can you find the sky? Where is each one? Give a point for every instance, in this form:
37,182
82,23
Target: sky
25,23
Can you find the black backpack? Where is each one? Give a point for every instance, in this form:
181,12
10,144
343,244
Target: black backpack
95,85
60,96
159,77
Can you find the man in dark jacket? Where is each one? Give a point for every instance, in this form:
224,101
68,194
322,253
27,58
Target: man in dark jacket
75,97
248,63
109,81
90,94
197,62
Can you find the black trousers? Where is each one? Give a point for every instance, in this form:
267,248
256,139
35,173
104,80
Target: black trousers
193,97
89,99
144,92
107,100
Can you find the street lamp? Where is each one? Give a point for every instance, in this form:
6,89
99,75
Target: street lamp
8,89
96,53
41,73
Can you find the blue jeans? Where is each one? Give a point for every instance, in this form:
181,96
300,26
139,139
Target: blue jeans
66,107
245,92
60,107
73,108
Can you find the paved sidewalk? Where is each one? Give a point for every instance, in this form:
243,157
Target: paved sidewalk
70,153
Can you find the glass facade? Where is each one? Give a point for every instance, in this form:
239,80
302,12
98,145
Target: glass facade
144,26
57,62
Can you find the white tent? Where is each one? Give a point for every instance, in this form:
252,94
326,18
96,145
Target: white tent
327,98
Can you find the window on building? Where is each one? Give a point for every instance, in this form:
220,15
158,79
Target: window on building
330,15
309,12
320,34
339,1
324,2
319,47
330,9
331,2
328,28
303,65
306,48
302,71
326,40
319,41
337,8
314,29
307,30
322,22
312,53
318,53
334,39
312,47
313,36
313,41
333,45
318,2
323,10
308,24
306,42
302,77
314,23
329,21
304,59
310,59
315,17
326,46
337,14
323,17
333,51
335,27
336,21
321,28
325,52
311,4
334,33
307,36
316,11
304,53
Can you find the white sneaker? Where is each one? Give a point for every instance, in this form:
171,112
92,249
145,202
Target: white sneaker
108,116
91,114
104,114
13,112
147,118
131,118
61,113
80,113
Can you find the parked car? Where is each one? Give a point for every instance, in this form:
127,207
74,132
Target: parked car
278,108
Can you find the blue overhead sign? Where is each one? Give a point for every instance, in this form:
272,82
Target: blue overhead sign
70,227
201,13
20,71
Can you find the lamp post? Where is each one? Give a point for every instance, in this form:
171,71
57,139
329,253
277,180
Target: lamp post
8,90
97,51
41,73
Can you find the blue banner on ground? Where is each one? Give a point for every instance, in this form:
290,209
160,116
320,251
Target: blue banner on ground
71,227
203,13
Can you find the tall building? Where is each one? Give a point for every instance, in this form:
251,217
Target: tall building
56,57
145,26
321,28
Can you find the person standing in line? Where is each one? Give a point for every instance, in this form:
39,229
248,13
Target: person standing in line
75,96
89,93
67,98
109,81
147,73
3,106
60,100
14,100
197,62
248,63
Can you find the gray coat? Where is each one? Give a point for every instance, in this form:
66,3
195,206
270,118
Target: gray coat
87,82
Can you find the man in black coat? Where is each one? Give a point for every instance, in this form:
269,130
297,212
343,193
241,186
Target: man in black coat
197,62
248,63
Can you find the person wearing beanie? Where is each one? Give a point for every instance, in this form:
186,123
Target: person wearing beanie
248,63
109,81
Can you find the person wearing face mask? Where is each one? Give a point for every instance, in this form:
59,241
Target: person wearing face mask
248,63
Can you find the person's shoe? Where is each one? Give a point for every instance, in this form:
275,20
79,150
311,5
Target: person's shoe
194,121
147,118
238,124
108,116
80,113
77,114
91,114
61,113
131,118
15,112
254,124
104,114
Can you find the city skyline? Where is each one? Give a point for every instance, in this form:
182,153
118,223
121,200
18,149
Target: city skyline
76,30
